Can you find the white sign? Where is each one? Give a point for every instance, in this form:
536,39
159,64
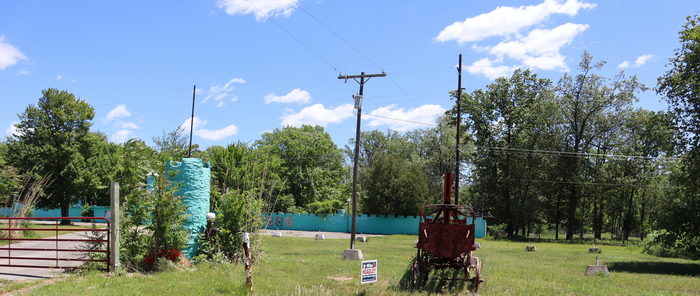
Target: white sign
368,273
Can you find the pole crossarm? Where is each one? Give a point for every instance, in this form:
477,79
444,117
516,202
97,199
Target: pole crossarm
346,77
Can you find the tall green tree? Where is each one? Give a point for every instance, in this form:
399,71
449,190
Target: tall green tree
395,187
312,165
511,116
10,178
680,85
52,138
241,168
584,99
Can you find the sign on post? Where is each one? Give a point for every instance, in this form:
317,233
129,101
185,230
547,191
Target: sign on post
369,272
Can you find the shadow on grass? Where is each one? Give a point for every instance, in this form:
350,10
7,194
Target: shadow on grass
669,268
447,280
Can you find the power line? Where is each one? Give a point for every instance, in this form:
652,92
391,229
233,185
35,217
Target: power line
341,38
295,38
359,52
568,153
577,183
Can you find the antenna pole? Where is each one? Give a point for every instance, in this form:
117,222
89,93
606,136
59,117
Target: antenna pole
459,123
194,90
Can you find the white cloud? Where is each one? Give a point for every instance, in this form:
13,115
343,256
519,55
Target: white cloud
127,125
22,72
9,55
122,136
295,96
59,77
12,130
540,48
487,68
217,134
624,65
505,20
640,61
262,9
643,59
400,120
119,111
199,131
317,114
219,92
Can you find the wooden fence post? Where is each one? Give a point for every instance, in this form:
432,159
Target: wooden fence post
248,262
114,227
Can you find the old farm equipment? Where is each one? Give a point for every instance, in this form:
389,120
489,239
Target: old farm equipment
445,240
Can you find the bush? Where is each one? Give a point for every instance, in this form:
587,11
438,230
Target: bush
167,228
86,211
137,209
322,208
237,212
497,231
664,243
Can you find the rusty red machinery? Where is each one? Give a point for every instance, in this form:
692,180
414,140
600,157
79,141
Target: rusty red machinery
446,240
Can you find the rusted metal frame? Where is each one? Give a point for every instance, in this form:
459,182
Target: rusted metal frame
57,259
56,240
43,266
60,250
53,229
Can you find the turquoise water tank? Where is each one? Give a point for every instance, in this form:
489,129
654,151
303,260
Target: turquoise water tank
192,177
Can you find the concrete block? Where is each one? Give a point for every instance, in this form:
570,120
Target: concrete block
363,239
595,269
320,236
530,248
595,250
277,234
352,254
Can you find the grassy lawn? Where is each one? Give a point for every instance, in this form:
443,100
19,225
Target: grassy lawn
300,266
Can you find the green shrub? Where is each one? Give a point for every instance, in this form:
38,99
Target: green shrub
136,212
237,212
167,227
497,231
664,243
322,208
86,211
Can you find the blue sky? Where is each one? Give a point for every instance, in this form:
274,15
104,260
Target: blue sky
261,64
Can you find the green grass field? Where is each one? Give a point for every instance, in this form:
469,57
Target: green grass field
299,266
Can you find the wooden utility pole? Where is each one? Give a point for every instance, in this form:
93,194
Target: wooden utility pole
355,166
459,123
194,90
114,227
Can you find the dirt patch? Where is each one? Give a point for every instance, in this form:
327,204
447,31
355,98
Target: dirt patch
340,278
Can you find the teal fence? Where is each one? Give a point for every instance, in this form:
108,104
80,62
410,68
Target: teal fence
341,222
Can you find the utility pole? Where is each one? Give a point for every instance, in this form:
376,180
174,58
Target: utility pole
355,167
194,90
459,123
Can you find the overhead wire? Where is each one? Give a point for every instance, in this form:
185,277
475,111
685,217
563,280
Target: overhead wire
361,53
